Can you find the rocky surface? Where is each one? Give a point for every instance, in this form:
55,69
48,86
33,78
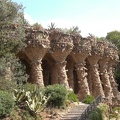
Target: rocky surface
83,64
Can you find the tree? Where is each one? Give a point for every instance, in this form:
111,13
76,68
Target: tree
114,37
37,26
12,38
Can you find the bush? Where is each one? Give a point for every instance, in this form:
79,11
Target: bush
7,85
100,112
96,115
72,97
57,93
6,103
31,87
31,97
115,113
89,99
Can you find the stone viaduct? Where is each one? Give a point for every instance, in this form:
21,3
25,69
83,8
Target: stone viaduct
83,64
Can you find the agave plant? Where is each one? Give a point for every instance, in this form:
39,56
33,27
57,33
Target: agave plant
19,95
36,101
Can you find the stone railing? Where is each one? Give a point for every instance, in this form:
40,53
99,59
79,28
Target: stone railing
90,108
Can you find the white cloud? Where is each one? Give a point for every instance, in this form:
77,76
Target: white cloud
98,27
29,18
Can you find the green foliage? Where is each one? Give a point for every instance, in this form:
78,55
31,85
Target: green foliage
7,85
57,93
36,100
99,113
32,97
116,109
6,103
12,39
73,30
89,99
52,26
114,37
31,87
27,116
19,72
72,97
96,115
20,95
37,26
15,114
115,114
22,91
21,114
103,108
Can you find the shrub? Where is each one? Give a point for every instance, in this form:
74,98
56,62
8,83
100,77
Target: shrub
7,85
99,113
30,87
96,115
115,109
72,97
57,93
89,99
115,113
6,103
36,101
32,97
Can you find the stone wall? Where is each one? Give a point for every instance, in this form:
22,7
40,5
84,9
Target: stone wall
82,64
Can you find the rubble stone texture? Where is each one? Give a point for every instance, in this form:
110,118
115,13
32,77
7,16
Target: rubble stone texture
38,44
81,64
61,46
81,50
97,51
111,63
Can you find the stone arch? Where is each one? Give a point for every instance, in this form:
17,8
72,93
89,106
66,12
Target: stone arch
26,61
47,63
71,73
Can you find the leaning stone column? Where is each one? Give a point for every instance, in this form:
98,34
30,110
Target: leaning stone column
80,51
82,80
36,72
61,46
97,51
113,60
105,77
114,85
38,44
103,63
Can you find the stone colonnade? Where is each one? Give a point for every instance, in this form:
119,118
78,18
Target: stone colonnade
75,62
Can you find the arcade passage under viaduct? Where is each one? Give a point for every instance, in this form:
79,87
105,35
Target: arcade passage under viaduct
82,64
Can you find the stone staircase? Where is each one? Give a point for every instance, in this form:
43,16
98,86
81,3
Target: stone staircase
74,113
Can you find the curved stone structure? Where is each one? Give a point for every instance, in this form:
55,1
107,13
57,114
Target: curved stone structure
112,61
81,50
83,64
61,46
96,54
103,63
38,44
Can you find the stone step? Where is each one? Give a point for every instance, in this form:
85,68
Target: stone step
74,113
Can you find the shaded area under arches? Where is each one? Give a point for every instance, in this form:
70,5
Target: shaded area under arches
47,63
72,75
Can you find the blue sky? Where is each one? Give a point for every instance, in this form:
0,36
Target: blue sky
91,16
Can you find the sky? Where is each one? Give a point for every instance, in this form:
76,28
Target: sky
97,17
